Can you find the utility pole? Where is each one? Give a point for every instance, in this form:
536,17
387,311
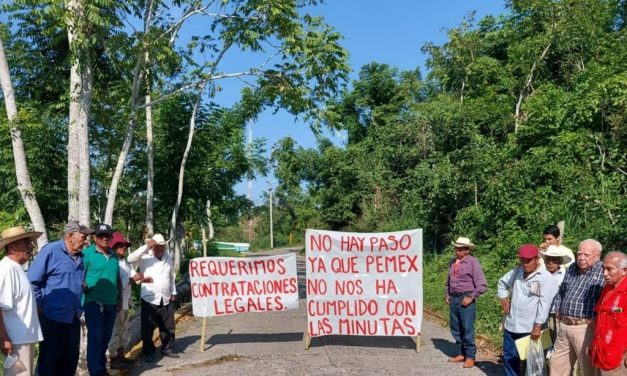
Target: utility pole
249,153
271,229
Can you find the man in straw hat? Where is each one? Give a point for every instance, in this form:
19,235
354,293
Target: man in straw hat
19,324
464,284
57,276
555,257
532,291
158,294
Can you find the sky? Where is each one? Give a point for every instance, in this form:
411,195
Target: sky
383,31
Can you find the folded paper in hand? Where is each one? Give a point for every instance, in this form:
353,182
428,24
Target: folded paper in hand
523,343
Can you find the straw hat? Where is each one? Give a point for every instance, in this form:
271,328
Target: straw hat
463,242
159,239
557,251
16,233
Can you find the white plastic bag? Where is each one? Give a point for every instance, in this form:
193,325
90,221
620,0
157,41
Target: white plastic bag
535,359
14,364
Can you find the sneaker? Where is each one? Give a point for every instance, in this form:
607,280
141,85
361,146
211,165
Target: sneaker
170,354
149,358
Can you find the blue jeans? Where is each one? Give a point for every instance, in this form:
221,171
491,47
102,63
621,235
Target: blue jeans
462,321
511,359
100,320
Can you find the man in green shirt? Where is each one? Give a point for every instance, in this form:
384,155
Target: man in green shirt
101,299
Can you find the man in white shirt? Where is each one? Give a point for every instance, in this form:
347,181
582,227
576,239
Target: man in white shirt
532,291
19,323
555,257
158,293
552,236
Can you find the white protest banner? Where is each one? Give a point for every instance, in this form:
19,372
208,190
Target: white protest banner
227,285
364,283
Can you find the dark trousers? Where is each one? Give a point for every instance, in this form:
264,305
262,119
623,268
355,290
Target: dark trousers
552,325
462,322
100,320
511,359
58,352
157,316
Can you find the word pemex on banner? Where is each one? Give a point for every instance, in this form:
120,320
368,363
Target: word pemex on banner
364,283
227,285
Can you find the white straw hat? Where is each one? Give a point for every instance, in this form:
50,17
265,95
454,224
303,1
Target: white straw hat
463,242
557,251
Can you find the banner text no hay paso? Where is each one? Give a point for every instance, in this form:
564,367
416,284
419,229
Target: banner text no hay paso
364,284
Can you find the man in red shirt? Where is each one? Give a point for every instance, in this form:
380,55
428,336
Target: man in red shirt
609,345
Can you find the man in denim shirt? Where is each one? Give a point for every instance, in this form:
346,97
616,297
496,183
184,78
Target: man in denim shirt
533,291
57,275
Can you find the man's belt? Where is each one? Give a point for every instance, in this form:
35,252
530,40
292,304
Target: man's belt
567,320
456,294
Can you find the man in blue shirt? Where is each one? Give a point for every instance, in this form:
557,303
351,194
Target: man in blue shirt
57,276
527,306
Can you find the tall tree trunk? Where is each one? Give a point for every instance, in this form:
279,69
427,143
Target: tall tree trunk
209,221
524,91
150,162
19,155
138,79
179,196
119,167
83,152
80,104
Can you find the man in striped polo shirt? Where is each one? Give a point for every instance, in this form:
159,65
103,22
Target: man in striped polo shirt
574,309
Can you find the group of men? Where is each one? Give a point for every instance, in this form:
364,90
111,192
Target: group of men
70,279
582,301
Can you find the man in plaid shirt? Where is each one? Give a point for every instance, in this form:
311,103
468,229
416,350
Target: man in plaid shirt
574,308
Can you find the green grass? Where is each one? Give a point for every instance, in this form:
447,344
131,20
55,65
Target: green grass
488,305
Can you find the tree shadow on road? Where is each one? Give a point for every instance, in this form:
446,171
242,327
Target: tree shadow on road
449,349
364,341
183,343
221,339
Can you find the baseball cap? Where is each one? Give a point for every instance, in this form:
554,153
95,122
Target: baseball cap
528,251
103,229
75,226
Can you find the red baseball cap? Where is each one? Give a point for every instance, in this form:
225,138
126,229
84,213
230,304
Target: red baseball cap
528,251
119,239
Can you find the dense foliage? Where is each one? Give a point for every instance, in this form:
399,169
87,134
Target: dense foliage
285,57
519,124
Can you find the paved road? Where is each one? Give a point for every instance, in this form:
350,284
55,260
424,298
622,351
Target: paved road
271,344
